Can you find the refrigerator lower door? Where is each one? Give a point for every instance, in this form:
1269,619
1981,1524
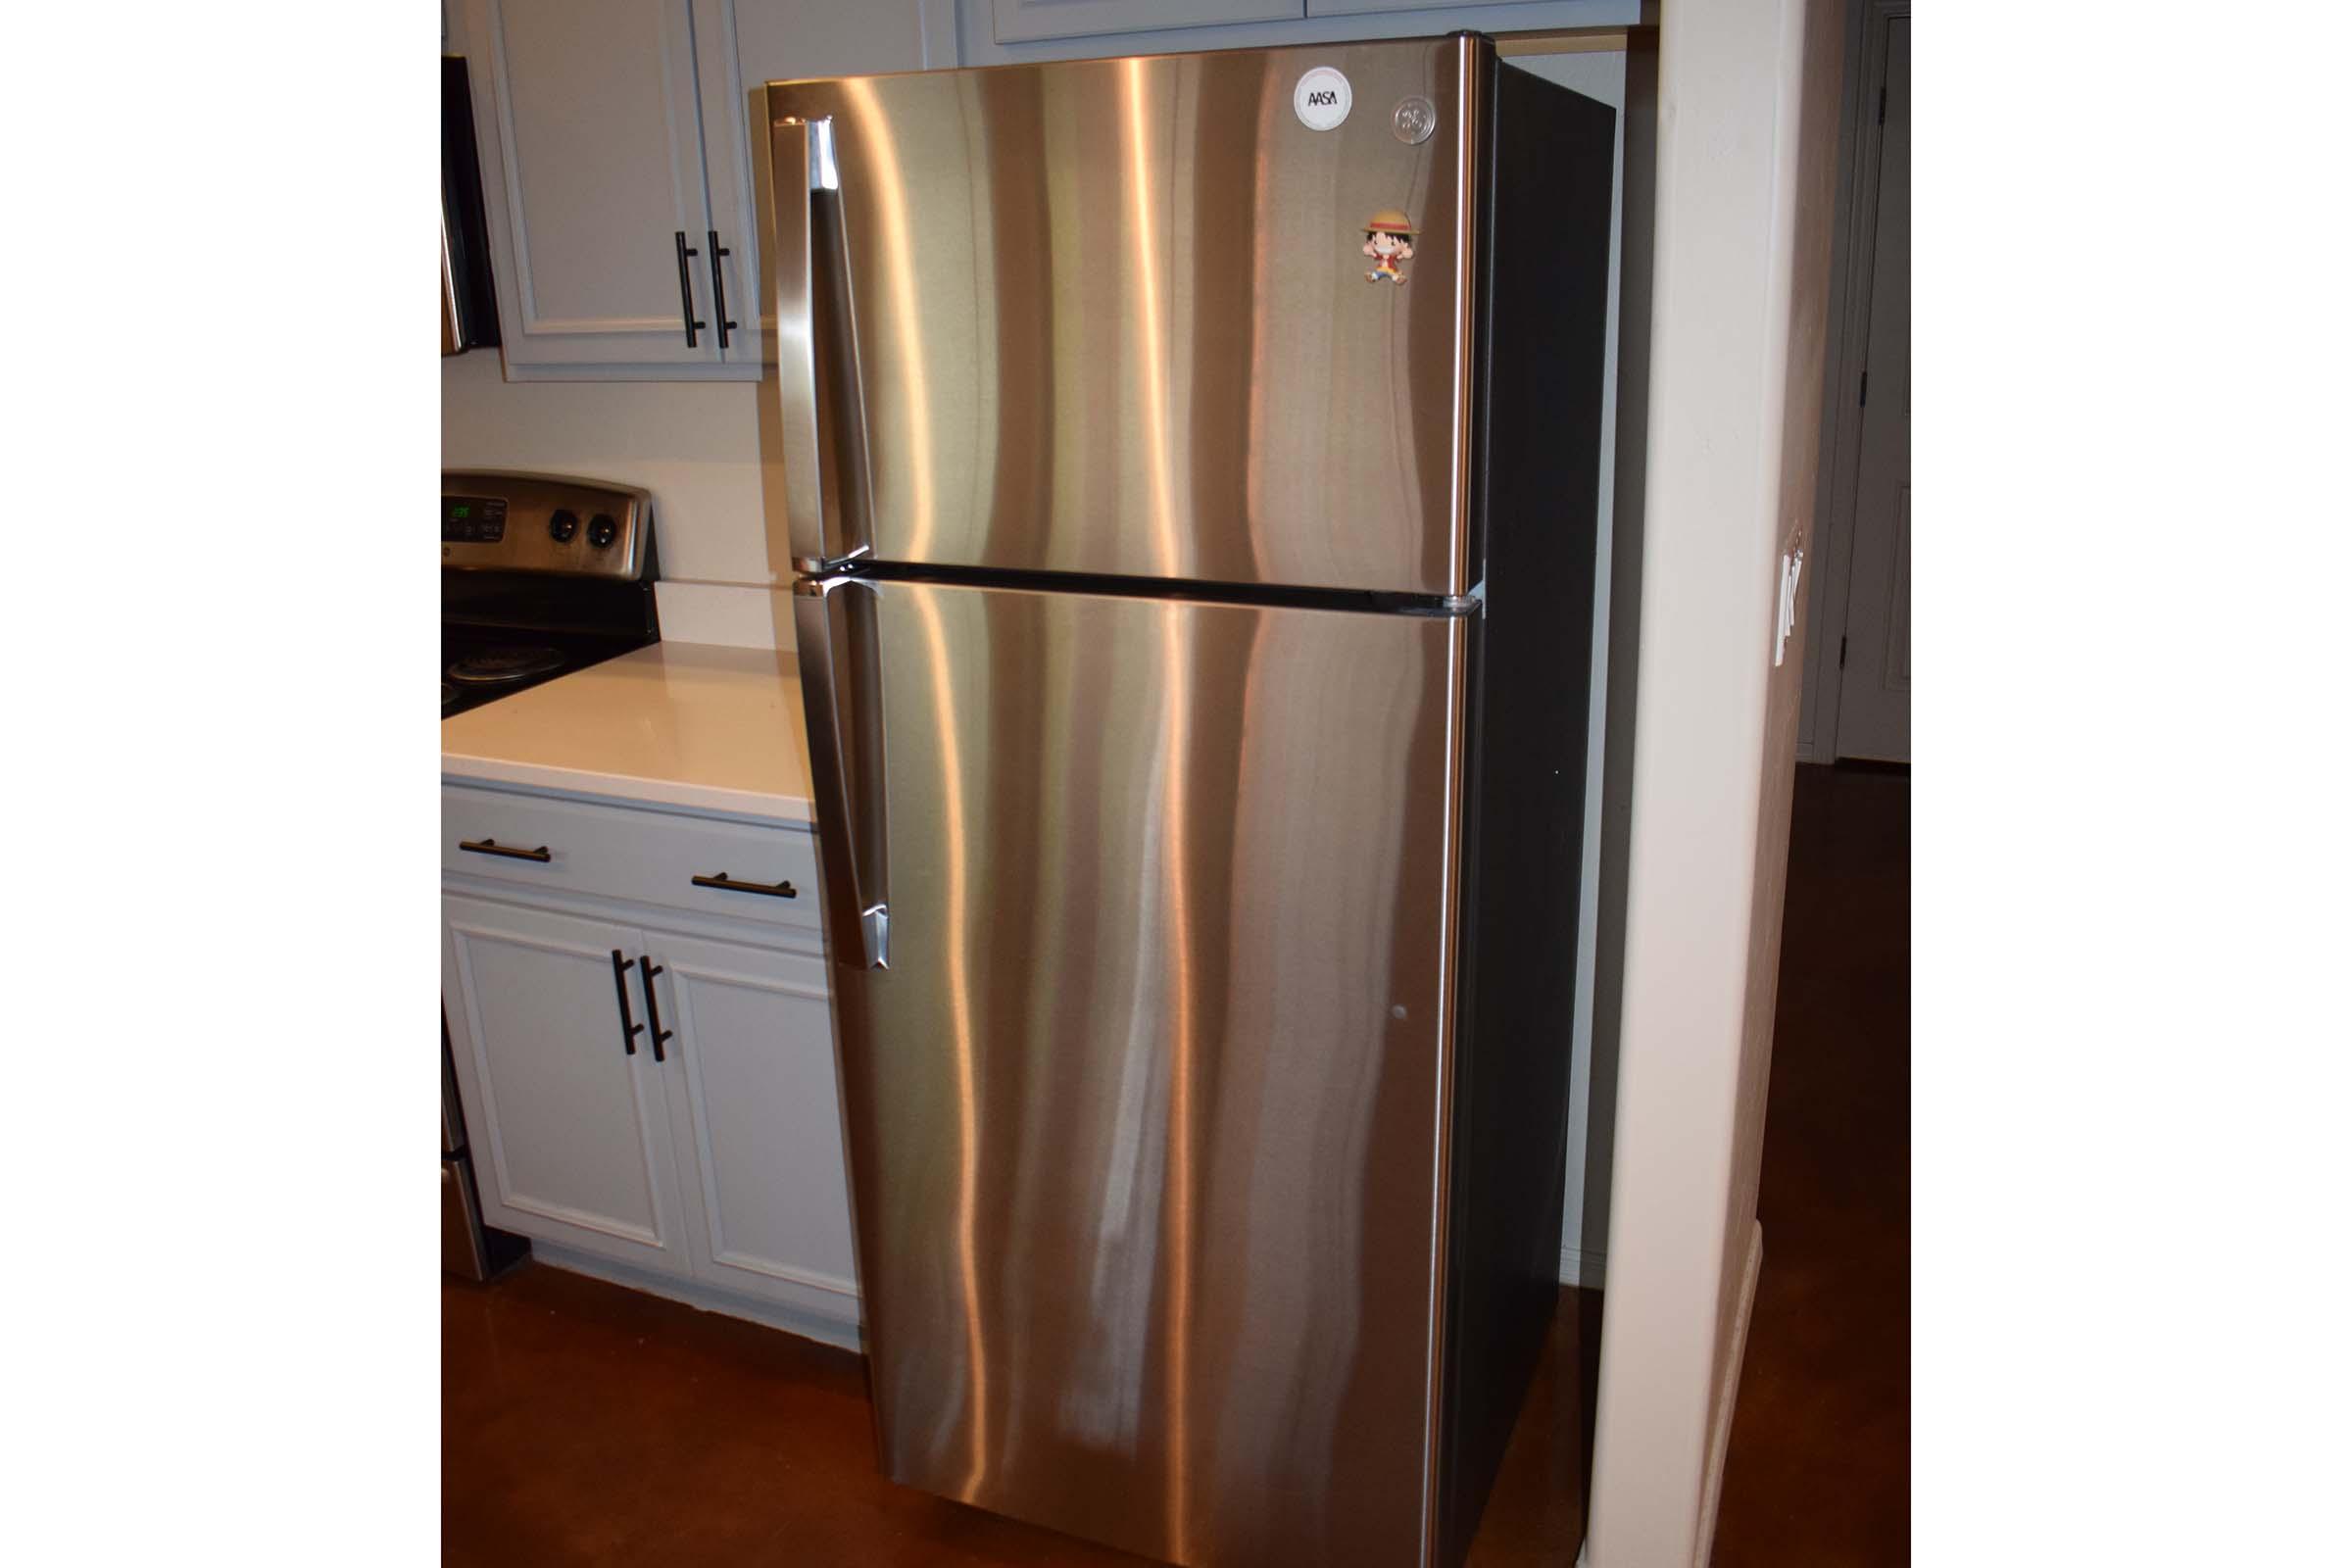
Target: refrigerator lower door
1145,1089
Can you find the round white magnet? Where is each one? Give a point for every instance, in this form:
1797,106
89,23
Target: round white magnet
1323,99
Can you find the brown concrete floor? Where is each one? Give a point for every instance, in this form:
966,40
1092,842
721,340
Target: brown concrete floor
582,1423
1819,1469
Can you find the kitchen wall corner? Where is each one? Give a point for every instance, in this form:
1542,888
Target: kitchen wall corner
694,444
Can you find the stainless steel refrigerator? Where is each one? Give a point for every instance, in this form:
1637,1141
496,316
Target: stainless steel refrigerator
1191,467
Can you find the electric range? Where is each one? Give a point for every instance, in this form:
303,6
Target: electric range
540,575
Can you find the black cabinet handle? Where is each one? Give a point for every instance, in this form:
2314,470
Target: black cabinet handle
719,288
629,1027
647,968
686,287
727,884
493,847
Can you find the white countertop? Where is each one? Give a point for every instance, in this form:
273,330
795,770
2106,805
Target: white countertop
675,724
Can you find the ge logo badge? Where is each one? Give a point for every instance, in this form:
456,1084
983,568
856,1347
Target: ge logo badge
1323,99
1415,119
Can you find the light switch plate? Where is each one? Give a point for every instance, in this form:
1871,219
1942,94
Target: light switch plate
1792,566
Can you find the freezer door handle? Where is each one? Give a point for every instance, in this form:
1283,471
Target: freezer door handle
840,654
817,377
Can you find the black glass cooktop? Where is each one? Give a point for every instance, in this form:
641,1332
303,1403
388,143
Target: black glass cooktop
507,632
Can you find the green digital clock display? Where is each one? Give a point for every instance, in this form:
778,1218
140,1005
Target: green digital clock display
472,520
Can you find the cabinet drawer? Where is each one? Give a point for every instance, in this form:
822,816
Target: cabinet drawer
619,853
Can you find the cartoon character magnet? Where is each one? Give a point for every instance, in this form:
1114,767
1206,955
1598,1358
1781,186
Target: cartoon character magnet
1389,241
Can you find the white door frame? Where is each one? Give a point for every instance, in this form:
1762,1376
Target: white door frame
1860,144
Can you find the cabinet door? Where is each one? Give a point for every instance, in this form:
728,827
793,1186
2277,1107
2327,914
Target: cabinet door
744,48
1021,21
1350,7
730,259
591,135
570,1128
757,1126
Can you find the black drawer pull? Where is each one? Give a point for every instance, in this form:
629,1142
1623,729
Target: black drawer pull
493,847
727,884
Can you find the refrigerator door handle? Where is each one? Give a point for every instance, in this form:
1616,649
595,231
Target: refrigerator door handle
823,437
839,675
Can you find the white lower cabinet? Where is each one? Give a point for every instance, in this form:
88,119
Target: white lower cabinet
754,1115
659,1098
568,1120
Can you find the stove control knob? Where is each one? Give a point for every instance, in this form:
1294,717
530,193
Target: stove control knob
603,530
562,526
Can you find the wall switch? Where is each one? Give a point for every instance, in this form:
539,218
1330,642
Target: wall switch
1792,566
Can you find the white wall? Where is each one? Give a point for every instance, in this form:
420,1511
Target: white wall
1747,129
695,444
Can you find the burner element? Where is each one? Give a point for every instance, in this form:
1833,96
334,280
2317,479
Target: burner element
499,665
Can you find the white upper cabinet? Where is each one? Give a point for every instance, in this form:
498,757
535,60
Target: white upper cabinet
1023,21
781,41
1351,8
601,206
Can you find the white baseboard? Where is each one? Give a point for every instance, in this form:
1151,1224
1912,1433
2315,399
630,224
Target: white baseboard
726,615
1585,1270
694,1294
1727,1397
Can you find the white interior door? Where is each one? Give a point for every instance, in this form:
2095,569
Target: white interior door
1874,702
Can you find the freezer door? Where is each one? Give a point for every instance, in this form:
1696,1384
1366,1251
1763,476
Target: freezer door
1118,316
1143,1091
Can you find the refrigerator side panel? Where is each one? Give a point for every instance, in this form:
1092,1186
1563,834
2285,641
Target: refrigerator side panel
1141,317
1540,492
1145,1111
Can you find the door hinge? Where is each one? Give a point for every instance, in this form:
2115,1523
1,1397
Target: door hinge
1881,106
1842,653
1865,389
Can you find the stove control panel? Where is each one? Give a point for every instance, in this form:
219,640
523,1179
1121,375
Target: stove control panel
473,519
493,521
